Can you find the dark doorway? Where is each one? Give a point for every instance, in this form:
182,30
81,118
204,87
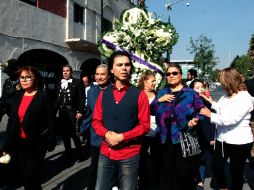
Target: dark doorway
48,63
89,67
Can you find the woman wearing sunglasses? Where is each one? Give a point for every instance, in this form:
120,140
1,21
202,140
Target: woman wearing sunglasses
28,127
176,108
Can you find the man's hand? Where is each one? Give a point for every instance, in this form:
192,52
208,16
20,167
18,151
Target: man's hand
113,138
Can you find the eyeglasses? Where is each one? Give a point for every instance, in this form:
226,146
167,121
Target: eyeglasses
26,78
173,73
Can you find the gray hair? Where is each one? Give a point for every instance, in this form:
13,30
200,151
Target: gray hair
102,66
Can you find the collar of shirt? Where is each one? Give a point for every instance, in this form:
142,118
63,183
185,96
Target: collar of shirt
124,88
119,93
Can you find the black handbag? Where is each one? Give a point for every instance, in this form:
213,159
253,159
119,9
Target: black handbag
188,138
189,143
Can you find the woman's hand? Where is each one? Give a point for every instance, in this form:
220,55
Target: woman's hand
207,98
79,115
167,98
206,112
193,122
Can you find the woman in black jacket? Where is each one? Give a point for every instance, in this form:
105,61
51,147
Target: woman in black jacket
28,127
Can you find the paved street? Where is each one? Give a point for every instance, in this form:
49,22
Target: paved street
59,174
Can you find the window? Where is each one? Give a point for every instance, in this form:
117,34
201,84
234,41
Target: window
106,25
78,13
31,2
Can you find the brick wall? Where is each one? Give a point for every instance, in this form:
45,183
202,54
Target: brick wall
57,7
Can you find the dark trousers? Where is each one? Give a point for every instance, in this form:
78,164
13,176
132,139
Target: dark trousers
68,130
238,155
30,164
177,173
149,163
95,153
252,129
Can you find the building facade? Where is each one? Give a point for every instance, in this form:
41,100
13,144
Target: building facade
51,33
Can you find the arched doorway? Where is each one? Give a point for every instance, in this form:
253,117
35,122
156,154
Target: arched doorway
89,67
48,63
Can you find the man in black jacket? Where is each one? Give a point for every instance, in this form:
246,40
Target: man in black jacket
70,106
9,89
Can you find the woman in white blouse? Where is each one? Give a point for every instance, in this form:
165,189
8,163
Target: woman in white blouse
233,133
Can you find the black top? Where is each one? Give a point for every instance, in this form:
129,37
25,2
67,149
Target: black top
36,124
250,87
77,96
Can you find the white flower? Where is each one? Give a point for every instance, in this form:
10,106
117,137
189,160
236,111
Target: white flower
161,34
137,32
132,16
149,46
110,38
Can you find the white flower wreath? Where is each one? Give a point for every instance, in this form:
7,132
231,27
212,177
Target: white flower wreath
143,37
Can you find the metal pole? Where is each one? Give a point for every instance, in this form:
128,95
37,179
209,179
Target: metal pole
0,79
169,7
168,53
101,24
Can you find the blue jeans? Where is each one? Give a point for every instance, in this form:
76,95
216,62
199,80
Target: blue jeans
127,170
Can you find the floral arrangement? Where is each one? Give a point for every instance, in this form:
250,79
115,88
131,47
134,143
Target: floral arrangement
144,37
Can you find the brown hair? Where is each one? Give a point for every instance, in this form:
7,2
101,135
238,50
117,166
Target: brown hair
37,82
145,76
231,80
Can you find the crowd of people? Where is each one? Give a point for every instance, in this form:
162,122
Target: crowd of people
134,133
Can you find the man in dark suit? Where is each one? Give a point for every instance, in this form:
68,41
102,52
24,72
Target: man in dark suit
70,106
88,83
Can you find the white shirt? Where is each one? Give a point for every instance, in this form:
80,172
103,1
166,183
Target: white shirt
153,125
189,82
86,92
232,118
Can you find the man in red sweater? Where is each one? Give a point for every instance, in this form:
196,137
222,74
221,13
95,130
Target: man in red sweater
121,117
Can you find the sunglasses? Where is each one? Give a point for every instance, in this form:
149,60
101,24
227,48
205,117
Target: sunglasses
173,73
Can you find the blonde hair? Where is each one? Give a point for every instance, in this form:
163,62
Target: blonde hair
231,80
145,76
